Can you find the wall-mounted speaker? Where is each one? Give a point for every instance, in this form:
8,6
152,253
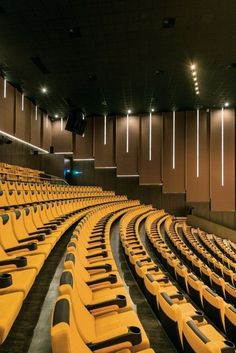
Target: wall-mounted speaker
76,122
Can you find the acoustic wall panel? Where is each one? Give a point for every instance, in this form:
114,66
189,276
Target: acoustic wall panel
174,152
23,108
150,166
83,145
222,158
61,139
35,126
7,102
197,156
46,132
104,141
127,144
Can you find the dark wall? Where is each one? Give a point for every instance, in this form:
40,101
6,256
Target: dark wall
22,155
174,203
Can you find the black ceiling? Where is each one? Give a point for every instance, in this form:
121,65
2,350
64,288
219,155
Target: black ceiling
107,56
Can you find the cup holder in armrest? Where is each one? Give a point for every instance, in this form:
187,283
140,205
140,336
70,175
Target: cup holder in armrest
229,344
21,261
5,280
135,330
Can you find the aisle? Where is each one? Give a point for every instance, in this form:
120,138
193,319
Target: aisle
157,335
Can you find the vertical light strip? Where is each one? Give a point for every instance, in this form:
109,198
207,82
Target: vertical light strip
127,133
150,136
222,147
173,142
197,143
22,102
61,124
36,112
105,129
46,121
5,88
83,119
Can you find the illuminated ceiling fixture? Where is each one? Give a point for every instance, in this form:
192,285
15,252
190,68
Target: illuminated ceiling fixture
44,90
129,111
56,115
226,104
152,110
193,68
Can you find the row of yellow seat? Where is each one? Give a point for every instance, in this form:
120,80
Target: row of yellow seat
20,173
94,311
186,326
27,237
224,315
226,246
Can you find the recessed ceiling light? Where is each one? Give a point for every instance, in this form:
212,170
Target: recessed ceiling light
152,110
168,22
129,111
44,89
193,67
194,73
197,92
195,79
56,115
196,83
226,104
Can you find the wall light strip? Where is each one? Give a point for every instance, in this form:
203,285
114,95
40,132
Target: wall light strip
36,112
150,136
105,167
22,102
24,142
198,143
46,117
127,133
105,129
128,176
61,124
222,147
173,142
63,153
5,88
83,159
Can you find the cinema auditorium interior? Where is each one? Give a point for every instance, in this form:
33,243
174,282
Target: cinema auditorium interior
117,176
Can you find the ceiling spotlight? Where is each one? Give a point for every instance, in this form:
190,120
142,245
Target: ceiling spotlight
194,73
193,67
197,92
152,110
195,79
44,90
226,104
129,111
56,115
196,83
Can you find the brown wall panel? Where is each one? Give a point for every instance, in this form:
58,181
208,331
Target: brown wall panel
46,132
23,117
61,139
197,187
7,108
150,171
222,197
104,153
127,163
83,145
35,135
174,178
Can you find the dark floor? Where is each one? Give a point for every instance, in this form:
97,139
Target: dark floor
158,338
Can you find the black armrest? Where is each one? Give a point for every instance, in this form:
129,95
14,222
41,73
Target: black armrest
102,246
138,253
58,223
40,231
134,242
111,278
106,267
98,232
96,240
39,237
102,253
120,301
29,246
97,236
137,247
133,336
19,261
47,226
